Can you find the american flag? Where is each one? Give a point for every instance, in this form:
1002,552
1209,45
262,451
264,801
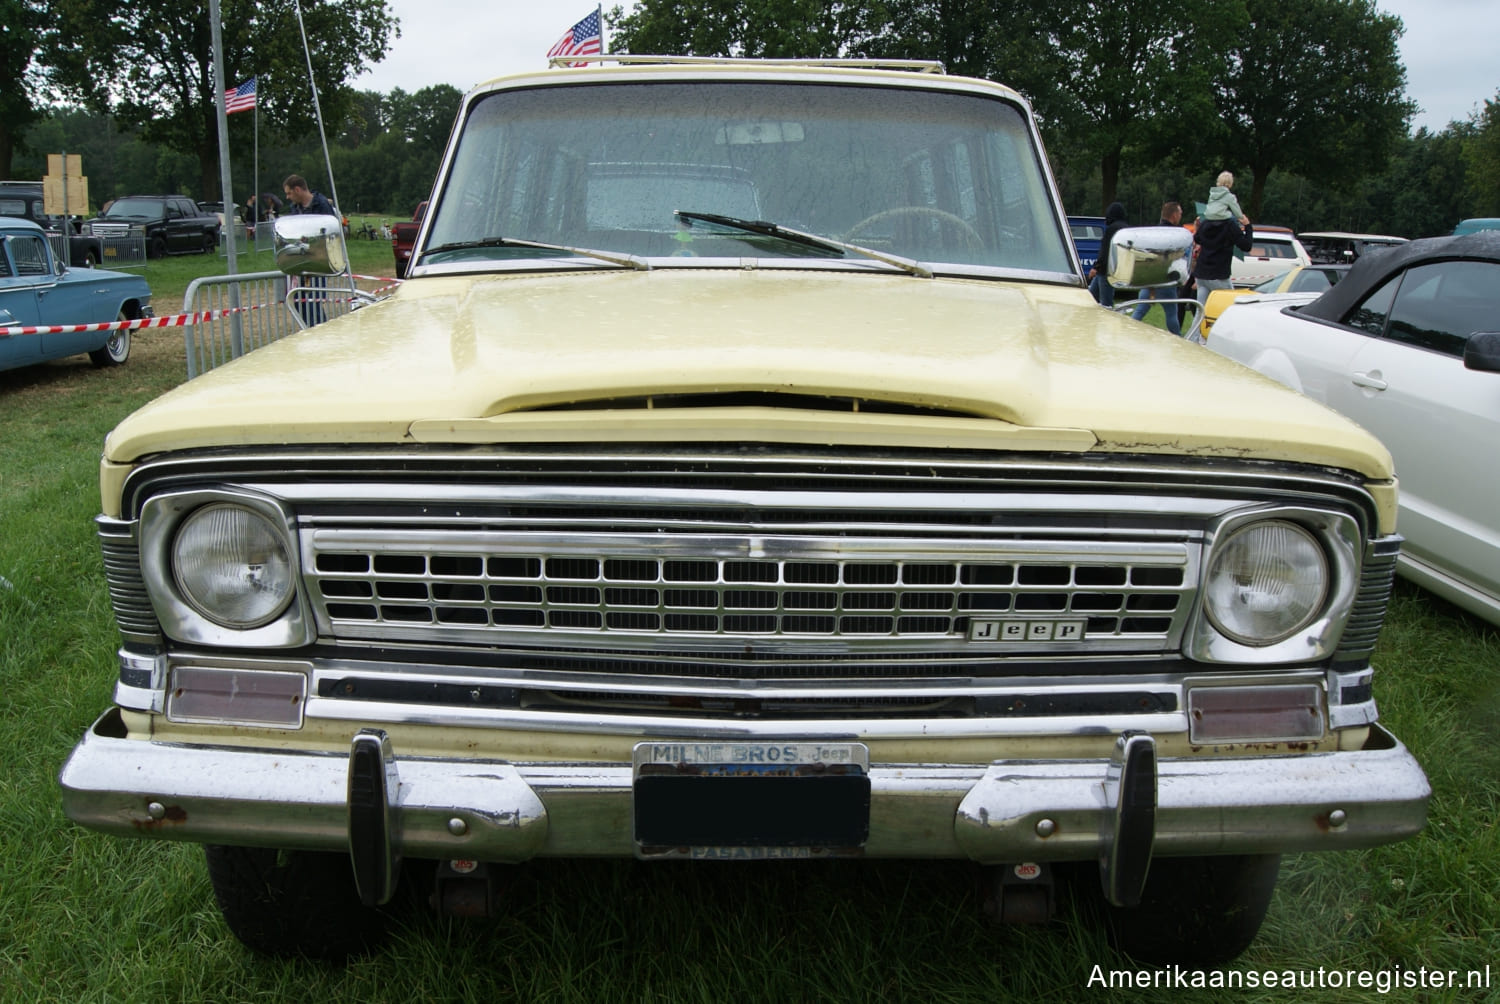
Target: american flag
586,38
241,98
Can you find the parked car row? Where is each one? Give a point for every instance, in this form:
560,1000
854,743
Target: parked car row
1300,279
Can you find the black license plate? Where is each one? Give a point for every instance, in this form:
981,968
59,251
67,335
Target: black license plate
749,800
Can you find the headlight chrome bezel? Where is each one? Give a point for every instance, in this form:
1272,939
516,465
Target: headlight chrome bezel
191,581
1339,536
182,618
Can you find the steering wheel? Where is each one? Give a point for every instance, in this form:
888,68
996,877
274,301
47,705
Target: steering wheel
971,236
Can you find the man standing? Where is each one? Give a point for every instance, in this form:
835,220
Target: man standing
303,200
1171,216
1216,241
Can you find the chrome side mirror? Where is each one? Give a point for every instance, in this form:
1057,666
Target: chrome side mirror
1147,257
310,245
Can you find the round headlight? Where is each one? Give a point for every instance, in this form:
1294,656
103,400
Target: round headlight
233,566
1266,582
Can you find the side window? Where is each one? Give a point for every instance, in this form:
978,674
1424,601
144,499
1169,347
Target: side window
1371,314
29,255
4,260
1441,304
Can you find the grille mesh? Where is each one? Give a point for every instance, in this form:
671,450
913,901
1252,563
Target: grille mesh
432,589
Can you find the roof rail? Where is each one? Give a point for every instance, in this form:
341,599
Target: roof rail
628,58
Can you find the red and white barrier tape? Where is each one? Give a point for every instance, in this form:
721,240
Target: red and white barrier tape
172,320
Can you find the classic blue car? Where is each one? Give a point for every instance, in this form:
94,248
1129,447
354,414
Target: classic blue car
37,290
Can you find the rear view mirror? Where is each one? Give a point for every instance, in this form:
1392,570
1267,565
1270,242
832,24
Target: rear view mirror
1146,257
752,133
310,245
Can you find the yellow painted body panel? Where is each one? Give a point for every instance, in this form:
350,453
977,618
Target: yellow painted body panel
1014,365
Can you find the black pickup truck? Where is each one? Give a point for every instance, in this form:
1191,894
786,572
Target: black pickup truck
23,200
169,224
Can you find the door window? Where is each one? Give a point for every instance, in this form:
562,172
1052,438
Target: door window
1441,304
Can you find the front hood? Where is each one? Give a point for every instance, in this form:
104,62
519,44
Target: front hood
598,355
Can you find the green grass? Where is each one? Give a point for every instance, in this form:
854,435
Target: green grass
90,918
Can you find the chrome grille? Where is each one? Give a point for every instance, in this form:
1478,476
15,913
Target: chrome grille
127,591
455,583
110,229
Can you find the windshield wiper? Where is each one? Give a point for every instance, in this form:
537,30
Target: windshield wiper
769,229
613,258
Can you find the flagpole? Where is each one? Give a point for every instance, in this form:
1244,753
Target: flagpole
216,36
603,45
317,110
255,171
327,161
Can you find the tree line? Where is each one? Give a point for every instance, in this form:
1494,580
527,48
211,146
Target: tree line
1138,100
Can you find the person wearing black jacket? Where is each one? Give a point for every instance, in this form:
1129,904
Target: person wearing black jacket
1216,241
1114,220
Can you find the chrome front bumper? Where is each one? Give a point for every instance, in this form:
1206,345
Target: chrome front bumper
1013,811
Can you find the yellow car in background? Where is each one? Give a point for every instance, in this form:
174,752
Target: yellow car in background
1302,279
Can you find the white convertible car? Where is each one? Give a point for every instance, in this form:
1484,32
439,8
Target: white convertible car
1408,345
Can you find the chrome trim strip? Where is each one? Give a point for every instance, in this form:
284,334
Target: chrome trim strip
1122,474
514,811
810,729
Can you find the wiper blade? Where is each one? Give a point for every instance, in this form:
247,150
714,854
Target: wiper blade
612,257
769,229
763,227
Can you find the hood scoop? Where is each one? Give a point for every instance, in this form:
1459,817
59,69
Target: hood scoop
755,399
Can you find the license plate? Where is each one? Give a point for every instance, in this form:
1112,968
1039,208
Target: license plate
732,801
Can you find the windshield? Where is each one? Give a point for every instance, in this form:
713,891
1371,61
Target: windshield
134,207
943,178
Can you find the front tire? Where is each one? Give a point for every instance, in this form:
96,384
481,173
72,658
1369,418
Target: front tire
1196,911
116,350
157,248
293,903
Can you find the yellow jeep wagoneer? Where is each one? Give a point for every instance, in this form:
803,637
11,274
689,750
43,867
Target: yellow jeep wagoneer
743,471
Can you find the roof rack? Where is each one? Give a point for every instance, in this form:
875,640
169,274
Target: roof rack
627,58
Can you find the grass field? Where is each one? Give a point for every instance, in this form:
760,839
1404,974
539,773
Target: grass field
85,917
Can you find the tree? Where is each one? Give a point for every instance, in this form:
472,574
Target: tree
150,63
21,23
779,29
1315,87
1134,76
1482,161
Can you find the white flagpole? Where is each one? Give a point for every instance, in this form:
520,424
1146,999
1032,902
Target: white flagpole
603,48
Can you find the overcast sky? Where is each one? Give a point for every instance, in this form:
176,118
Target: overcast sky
1449,47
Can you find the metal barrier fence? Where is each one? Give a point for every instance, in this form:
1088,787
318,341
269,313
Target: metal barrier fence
252,309
247,240
123,252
